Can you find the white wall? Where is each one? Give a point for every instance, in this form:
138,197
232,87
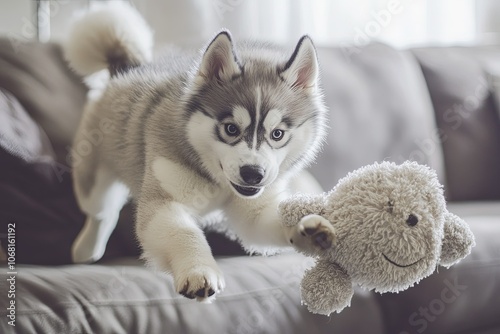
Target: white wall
488,20
410,22
16,18
192,22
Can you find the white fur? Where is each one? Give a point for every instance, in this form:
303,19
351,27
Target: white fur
258,105
199,128
257,223
187,187
103,206
104,29
241,116
273,120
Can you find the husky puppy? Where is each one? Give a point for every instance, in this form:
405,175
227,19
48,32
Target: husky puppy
187,134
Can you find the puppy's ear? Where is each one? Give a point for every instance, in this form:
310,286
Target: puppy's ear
302,69
219,61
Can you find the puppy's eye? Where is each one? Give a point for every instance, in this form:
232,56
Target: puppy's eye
412,220
231,129
277,134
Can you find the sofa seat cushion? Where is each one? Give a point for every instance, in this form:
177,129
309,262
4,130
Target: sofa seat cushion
262,296
36,193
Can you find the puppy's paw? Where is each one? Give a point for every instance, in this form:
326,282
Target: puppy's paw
200,282
312,235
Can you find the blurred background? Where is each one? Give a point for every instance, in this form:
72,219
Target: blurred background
399,23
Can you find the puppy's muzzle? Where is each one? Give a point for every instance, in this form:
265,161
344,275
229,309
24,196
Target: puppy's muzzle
252,175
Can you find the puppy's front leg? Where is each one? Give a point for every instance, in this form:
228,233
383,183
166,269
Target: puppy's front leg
257,222
262,223
172,240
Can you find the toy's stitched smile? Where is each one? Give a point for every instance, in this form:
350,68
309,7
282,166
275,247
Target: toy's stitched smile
400,265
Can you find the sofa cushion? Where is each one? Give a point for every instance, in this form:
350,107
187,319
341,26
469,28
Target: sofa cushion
380,109
37,75
262,295
36,192
19,135
466,116
494,82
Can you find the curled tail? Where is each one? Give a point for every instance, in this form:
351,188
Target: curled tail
112,36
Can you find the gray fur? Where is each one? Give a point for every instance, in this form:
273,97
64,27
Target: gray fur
167,146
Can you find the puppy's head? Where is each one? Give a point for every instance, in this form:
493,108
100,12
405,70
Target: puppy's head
256,113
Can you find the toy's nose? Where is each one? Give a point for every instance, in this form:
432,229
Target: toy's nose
252,174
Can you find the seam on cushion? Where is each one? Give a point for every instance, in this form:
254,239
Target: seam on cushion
152,302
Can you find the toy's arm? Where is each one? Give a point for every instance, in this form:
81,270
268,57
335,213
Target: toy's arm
457,242
326,288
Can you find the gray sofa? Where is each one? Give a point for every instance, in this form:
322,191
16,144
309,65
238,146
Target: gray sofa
433,105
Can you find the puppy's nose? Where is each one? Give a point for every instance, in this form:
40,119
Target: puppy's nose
252,174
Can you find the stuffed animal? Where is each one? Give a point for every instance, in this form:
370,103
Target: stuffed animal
383,227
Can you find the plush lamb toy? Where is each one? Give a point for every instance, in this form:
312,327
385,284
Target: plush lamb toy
384,227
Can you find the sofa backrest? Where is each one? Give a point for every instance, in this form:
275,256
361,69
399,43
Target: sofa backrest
375,94
37,75
467,116
384,104
380,109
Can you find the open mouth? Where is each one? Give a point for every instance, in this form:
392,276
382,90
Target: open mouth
246,191
400,265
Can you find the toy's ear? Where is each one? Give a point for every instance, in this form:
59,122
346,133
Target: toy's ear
294,208
326,288
457,242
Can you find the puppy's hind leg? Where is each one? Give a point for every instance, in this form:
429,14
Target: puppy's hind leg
102,205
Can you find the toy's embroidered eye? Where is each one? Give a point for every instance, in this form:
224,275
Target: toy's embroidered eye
412,220
390,206
232,130
277,134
